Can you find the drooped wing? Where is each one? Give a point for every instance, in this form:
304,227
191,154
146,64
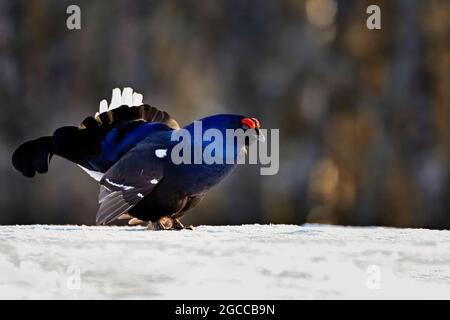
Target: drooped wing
130,180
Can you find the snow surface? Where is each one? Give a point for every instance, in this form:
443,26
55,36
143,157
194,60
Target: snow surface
223,262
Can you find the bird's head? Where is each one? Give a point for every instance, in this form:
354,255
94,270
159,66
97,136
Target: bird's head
237,133
251,126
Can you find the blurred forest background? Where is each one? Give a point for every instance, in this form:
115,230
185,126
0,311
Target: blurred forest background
364,116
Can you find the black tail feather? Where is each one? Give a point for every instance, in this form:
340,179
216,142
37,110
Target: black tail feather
82,145
71,143
33,156
79,146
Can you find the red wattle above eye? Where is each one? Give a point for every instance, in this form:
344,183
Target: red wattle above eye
256,122
249,123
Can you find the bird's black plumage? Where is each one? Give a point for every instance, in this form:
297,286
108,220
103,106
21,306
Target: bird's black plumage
127,149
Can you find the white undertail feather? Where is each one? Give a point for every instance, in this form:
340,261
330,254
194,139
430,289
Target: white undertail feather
126,97
97,176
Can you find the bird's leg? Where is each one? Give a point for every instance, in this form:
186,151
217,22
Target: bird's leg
137,222
167,223
155,226
164,223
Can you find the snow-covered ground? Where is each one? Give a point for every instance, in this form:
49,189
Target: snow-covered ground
232,262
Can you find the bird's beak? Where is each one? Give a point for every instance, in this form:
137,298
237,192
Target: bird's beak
260,136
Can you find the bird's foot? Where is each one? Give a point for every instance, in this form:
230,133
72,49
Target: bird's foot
167,223
177,225
155,226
